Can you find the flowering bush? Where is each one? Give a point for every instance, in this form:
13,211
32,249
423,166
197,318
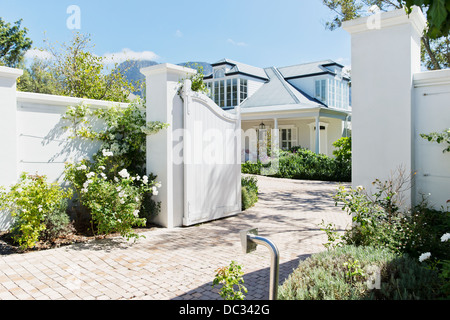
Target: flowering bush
32,201
113,197
124,134
114,186
378,220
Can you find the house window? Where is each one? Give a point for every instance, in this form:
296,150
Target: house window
210,91
226,93
288,137
346,96
219,93
219,74
235,92
216,92
229,93
339,87
332,93
222,94
244,90
321,90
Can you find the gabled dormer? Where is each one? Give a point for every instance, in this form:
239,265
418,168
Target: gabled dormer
231,82
323,80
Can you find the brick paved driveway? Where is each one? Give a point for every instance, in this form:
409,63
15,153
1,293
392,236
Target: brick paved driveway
180,263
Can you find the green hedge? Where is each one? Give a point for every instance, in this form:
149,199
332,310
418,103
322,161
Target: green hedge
304,164
249,192
343,273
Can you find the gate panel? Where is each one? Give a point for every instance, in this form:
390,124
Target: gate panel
212,160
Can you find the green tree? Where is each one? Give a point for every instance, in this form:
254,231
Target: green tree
438,15
74,70
435,44
13,43
38,78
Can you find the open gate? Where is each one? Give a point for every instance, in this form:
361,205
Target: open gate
212,159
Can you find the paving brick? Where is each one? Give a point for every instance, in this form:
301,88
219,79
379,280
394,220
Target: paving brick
181,263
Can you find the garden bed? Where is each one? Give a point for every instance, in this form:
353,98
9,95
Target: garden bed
7,245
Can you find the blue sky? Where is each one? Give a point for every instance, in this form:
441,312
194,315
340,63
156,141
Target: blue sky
262,33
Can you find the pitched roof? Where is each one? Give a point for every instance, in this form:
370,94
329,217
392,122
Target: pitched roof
242,68
277,91
308,69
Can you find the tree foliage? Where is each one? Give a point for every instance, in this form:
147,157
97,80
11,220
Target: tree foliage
13,43
74,70
435,42
438,15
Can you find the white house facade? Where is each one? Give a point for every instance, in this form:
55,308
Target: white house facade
295,100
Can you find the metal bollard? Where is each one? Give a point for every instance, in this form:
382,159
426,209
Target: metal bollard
250,241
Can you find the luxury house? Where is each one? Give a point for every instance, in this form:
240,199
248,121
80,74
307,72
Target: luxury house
296,100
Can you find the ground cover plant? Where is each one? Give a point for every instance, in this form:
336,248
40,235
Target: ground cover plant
409,250
354,273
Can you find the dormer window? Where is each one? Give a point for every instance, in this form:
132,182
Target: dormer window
219,74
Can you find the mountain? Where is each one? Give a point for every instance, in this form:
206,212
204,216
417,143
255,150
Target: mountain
131,69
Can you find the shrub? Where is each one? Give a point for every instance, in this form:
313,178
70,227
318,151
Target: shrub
252,167
249,192
113,198
57,223
115,203
300,163
232,281
347,273
378,220
33,202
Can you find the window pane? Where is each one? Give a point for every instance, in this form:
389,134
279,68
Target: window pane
243,89
222,94
235,92
216,92
323,90
318,89
229,94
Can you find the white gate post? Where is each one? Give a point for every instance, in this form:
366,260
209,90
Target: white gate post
164,104
8,125
385,56
8,134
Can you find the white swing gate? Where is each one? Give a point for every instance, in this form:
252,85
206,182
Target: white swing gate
212,159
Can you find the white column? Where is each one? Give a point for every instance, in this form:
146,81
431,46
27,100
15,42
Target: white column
8,134
317,143
8,125
385,55
164,104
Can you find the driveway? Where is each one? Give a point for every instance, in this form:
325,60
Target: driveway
181,263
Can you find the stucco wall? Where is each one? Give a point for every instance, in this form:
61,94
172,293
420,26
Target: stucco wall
38,142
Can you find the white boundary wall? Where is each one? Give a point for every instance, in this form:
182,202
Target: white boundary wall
33,137
394,102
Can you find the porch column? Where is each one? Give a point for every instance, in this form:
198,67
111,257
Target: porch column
317,135
275,136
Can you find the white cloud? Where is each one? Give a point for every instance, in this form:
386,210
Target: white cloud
239,44
127,54
178,34
38,54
